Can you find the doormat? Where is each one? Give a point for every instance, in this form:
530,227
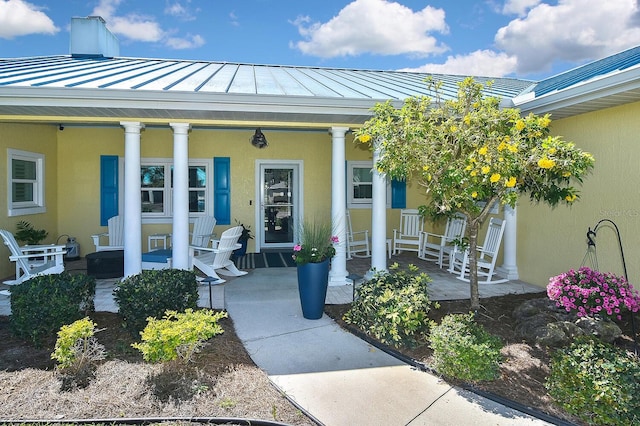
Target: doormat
271,259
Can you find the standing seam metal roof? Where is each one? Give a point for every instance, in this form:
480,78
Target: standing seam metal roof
233,78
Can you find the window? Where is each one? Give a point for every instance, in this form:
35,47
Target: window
156,181
360,185
25,194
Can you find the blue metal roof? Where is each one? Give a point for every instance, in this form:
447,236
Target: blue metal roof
617,62
233,78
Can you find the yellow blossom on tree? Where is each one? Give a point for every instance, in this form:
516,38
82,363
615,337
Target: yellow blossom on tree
571,198
486,169
545,121
566,174
474,194
511,182
520,125
425,168
546,163
483,150
474,173
552,151
495,177
364,138
513,148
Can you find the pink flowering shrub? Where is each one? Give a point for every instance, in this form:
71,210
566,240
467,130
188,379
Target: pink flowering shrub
591,293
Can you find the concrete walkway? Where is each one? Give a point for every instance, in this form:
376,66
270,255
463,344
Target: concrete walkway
338,378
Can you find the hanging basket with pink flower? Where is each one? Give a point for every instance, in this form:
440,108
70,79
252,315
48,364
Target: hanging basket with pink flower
588,292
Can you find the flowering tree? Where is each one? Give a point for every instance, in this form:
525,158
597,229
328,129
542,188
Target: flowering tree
468,150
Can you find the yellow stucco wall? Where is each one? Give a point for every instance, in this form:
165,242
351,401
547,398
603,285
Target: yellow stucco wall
551,241
37,139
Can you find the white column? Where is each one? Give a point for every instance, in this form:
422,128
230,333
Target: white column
509,268
378,217
132,204
338,273
180,230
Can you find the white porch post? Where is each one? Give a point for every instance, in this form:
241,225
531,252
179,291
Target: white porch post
378,217
180,233
509,268
338,273
132,205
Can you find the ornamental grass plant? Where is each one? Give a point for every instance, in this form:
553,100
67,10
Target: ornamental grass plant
316,243
593,293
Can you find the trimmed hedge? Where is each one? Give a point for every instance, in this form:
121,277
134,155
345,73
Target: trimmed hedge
153,292
43,304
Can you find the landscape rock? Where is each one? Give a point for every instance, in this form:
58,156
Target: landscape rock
541,321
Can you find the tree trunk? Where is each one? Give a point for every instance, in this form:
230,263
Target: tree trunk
474,225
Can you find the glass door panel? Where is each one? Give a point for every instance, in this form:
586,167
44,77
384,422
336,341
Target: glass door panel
278,206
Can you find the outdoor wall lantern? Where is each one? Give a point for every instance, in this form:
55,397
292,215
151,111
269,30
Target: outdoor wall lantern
258,139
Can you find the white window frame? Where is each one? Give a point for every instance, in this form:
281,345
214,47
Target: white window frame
366,203
38,203
167,215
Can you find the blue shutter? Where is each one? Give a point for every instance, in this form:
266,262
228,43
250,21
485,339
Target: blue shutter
222,190
398,194
108,188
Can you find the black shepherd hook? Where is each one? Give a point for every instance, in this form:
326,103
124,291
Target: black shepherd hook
591,234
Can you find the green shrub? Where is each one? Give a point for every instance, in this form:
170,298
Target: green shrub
393,307
597,382
42,304
178,335
153,292
464,350
77,351
76,345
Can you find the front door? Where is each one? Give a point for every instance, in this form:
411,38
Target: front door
280,201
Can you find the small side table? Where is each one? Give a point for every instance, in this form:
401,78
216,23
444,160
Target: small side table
155,240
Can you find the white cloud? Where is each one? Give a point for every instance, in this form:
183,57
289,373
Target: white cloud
179,10
141,28
135,27
189,42
572,31
519,7
19,18
485,63
373,26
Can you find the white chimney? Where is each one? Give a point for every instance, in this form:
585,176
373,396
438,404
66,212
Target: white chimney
90,37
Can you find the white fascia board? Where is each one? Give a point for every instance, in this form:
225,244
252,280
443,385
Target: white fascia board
607,85
152,100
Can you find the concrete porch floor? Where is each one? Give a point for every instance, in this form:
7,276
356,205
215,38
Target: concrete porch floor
444,286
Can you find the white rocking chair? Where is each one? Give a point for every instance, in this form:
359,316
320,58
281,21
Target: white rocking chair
487,255
216,260
114,236
409,236
435,246
32,260
202,232
357,242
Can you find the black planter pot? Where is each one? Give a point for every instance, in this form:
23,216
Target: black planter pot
242,250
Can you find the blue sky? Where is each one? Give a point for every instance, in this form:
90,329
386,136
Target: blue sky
517,38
